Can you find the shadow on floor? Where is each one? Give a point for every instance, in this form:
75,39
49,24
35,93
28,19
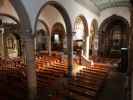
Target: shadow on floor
114,88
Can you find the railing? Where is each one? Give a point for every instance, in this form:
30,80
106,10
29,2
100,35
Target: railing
85,62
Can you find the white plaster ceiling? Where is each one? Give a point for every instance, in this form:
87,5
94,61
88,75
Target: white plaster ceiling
103,4
99,5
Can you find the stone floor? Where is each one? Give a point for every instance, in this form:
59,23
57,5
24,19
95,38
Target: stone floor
114,88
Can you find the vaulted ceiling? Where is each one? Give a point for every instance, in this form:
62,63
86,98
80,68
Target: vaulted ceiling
103,4
99,5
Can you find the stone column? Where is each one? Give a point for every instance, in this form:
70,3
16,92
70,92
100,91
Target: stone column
100,43
2,51
35,44
49,45
70,54
87,47
130,59
29,58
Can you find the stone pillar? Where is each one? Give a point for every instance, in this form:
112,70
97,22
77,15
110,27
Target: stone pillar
29,58
87,47
35,44
70,54
100,43
2,42
130,59
49,45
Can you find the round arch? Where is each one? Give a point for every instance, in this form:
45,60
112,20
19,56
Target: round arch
93,41
45,25
94,24
63,12
105,27
11,30
12,44
85,30
25,25
57,36
85,24
108,20
41,38
69,34
28,49
11,17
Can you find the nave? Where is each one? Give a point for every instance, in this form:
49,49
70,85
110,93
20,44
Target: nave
66,49
51,80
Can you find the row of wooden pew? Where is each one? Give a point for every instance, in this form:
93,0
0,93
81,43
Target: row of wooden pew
85,85
13,85
88,82
52,83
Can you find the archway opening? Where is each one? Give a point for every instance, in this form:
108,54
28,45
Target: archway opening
41,37
10,39
59,16
93,39
57,37
80,37
113,36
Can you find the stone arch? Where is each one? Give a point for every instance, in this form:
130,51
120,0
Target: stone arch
11,17
85,30
58,26
84,20
43,35
66,18
28,47
11,29
110,19
45,25
69,34
25,24
106,27
15,49
63,12
93,41
59,30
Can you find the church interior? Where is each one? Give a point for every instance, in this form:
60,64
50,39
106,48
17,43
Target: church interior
66,49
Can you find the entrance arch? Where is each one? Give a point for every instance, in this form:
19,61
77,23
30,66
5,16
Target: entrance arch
67,22
113,35
9,30
57,37
93,38
81,29
12,45
63,12
41,37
